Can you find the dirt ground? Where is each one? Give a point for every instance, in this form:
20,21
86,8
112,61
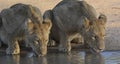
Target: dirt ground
111,8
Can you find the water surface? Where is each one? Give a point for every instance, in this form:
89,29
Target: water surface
75,57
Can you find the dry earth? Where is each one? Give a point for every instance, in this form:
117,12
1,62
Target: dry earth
109,7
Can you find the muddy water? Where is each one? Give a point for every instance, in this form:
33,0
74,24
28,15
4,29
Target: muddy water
75,57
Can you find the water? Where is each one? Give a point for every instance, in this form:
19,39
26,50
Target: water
75,57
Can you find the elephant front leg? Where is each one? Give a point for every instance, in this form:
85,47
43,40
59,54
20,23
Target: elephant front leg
13,47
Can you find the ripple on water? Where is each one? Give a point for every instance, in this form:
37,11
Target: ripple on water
112,57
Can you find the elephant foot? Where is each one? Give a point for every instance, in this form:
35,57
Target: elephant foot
63,48
12,51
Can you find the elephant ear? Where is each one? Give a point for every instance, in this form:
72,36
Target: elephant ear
9,21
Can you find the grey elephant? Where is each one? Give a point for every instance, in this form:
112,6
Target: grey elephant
14,27
72,18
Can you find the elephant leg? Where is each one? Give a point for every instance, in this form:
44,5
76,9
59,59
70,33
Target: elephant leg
65,45
13,47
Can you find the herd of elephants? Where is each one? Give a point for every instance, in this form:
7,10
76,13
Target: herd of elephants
66,22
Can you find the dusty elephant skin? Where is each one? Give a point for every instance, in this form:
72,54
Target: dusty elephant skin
73,18
14,27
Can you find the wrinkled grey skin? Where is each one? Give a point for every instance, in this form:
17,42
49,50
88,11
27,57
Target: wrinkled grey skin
14,26
73,18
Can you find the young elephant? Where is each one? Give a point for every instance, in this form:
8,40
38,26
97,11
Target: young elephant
14,27
72,18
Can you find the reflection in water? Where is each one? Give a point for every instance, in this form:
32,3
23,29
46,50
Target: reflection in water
22,59
62,58
76,57
112,57
91,58
36,60
9,59
33,60
13,59
58,58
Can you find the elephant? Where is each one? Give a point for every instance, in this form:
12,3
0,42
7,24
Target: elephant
72,18
14,27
